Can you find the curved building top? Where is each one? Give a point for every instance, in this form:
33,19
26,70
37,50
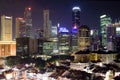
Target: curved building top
76,8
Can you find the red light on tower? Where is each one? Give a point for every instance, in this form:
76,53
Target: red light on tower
29,8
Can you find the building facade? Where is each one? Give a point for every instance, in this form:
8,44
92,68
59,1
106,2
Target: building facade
111,33
7,45
24,46
105,20
83,38
74,30
20,28
95,40
64,40
28,22
46,24
7,48
6,28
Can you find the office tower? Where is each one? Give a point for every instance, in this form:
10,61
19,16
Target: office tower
116,38
54,38
46,24
95,40
6,28
104,21
74,29
76,16
64,40
83,38
20,28
7,46
28,22
111,32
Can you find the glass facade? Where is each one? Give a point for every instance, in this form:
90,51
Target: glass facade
105,20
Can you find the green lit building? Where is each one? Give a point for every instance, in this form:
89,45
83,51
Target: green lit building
104,21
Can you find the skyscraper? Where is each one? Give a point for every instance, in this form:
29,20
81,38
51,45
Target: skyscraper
46,24
20,28
64,40
74,29
111,32
6,28
7,45
95,40
28,22
104,21
76,17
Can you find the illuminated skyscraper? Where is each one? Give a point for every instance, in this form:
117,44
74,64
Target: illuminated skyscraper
76,17
7,45
64,40
20,28
83,37
28,22
46,24
6,28
104,21
74,29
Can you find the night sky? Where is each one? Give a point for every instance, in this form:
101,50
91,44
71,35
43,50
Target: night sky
61,10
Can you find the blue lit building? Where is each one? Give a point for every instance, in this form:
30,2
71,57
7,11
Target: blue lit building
63,40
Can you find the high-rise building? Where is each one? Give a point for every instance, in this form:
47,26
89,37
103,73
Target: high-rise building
7,45
54,38
95,40
115,37
6,28
76,16
104,21
28,22
20,28
64,40
46,24
111,33
74,29
83,38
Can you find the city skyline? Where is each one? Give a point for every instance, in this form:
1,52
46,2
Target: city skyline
61,11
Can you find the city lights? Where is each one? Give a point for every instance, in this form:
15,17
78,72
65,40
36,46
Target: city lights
55,40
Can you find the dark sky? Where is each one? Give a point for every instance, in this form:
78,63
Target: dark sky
61,10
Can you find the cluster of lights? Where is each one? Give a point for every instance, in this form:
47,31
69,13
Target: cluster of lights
63,29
